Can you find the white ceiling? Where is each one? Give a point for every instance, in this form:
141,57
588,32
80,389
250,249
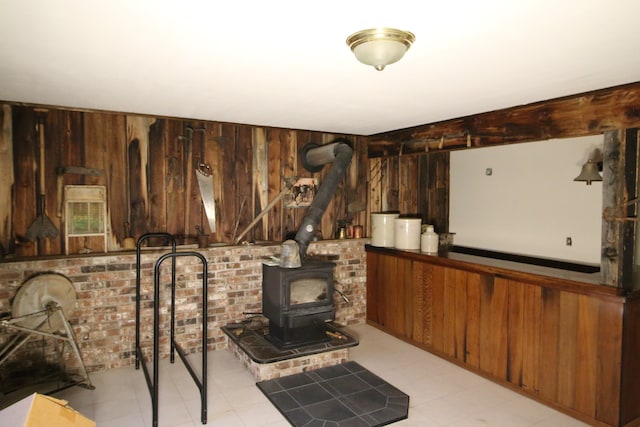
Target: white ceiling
286,64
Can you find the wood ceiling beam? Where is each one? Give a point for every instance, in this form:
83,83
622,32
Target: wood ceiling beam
583,114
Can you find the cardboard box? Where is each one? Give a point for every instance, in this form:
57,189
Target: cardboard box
39,410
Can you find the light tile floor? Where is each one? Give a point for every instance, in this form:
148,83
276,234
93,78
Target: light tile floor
441,394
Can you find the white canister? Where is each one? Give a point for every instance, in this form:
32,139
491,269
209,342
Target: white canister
382,229
407,233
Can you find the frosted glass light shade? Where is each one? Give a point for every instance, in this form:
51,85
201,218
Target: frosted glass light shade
380,47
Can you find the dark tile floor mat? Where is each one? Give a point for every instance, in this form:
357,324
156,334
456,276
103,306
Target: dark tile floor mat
345,395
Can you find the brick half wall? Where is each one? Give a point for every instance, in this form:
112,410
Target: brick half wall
104,319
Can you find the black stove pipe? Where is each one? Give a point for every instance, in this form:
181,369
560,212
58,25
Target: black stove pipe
314,157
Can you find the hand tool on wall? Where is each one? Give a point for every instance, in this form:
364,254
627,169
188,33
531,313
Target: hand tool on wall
205,182
188,155
287,188
261,214
187,174
42,227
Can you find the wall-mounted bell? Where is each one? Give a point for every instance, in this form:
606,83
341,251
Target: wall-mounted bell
589,173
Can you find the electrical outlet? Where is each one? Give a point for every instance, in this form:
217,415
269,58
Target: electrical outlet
488,171
569,241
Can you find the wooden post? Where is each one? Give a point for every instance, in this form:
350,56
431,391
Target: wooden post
619,207
7,178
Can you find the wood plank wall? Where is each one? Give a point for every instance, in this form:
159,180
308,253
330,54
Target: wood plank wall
149,167
144,158
416,186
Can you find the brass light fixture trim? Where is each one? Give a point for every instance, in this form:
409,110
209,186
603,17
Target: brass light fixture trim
380,47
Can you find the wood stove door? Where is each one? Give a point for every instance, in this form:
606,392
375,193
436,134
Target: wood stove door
307,291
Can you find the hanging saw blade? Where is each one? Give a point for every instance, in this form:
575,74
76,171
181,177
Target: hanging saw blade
205,182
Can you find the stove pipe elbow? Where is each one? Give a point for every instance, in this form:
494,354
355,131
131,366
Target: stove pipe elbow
313,158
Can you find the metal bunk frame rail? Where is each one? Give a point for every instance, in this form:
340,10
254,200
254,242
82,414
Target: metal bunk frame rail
152,383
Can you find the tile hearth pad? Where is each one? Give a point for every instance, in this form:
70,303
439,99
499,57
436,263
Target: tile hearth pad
346,395
250,337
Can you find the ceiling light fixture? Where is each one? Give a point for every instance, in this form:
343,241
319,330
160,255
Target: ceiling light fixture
380,47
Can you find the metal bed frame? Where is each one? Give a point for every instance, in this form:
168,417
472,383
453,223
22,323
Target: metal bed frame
152,381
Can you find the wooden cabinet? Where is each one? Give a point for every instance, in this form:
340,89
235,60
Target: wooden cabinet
561,345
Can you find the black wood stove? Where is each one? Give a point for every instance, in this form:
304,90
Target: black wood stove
298,302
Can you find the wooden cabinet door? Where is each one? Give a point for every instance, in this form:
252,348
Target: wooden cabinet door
396,296
389,293
453,313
